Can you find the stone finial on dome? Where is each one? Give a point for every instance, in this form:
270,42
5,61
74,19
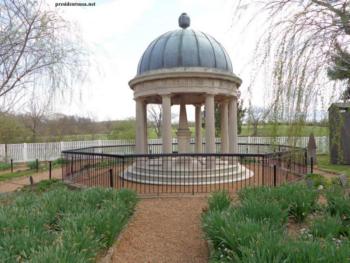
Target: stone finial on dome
184,21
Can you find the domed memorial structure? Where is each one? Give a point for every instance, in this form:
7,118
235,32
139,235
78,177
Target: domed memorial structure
186,67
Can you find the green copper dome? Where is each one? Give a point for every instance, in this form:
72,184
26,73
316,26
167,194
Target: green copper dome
184,48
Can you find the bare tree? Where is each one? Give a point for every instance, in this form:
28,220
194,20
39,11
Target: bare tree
257,115
36,42
155,118
296,47
37,109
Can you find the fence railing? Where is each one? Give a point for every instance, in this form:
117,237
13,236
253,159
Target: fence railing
52,150
119,167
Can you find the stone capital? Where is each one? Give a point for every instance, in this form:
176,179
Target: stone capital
166,95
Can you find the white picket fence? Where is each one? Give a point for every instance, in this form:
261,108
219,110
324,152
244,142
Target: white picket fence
52,150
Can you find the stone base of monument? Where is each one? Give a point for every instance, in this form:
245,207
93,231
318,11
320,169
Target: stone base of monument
186,171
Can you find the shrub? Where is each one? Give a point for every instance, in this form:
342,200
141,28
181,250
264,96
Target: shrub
219,201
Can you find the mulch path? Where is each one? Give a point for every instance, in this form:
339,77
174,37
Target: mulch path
17,183
164,230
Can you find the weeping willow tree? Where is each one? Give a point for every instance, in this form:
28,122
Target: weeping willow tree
294,52
37,45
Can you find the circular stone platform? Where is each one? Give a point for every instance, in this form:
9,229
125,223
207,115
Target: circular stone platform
185,171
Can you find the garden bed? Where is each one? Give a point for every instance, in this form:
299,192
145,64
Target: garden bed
53,223
289,223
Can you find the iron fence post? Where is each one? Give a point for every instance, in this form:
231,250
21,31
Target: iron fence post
263,171
305,157
312,165
11,165
71,166
111,184
31,180
274,175
50,167
122,174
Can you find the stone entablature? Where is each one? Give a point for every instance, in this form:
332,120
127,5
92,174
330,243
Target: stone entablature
195,81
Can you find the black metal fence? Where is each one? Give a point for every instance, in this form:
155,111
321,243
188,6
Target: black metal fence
157,173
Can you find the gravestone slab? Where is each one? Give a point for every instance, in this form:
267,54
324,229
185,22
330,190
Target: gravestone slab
309,183
311,148
343,179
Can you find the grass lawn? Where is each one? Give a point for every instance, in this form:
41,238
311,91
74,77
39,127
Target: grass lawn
53,223
324,163
284,130
289,223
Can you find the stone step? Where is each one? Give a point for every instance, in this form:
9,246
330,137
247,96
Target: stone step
188,178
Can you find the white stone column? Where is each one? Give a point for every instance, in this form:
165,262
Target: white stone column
224,127
232,125
198,136
166,124
145,126
140,127
209,124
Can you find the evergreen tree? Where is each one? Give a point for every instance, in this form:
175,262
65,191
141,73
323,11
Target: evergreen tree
340,69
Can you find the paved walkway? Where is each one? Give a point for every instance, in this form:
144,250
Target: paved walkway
164,230
16,183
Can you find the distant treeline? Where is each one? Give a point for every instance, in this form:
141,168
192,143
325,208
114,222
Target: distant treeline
27,128
21,128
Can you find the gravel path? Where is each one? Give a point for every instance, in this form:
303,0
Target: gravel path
16,183
164,230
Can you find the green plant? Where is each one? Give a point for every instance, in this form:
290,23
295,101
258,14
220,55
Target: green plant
32,165
263,193
44,186
318,180
254,231
316,251
338,203
219,201
56,224
328,227
4,166
59,162
297,199
270,212
267,247
231,233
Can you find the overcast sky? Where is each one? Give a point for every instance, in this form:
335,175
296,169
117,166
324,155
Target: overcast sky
117,32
